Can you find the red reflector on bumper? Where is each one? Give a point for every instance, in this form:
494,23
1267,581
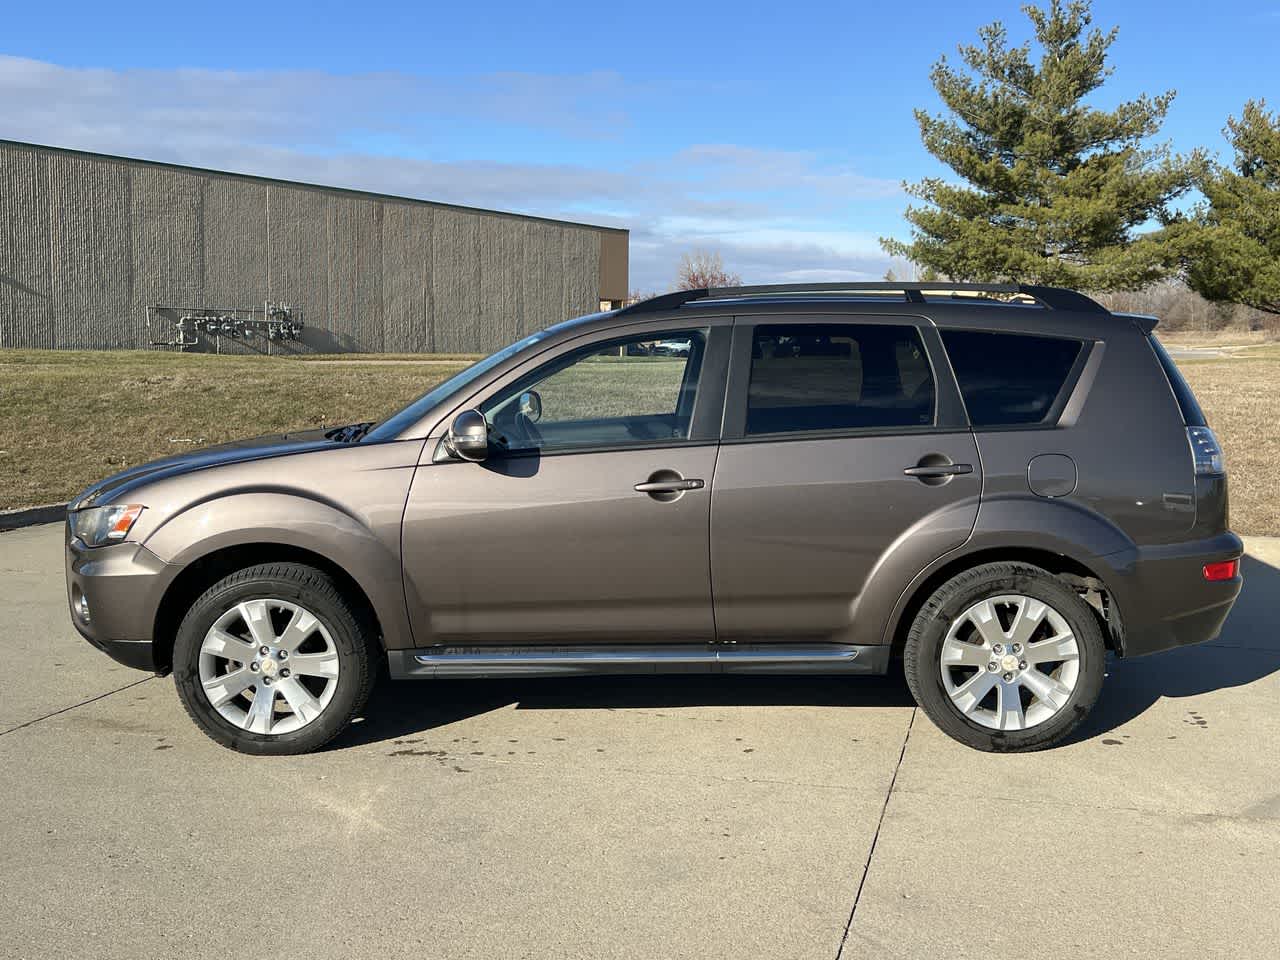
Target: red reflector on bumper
1225,570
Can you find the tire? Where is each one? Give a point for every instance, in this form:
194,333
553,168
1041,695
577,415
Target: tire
958,619
291,700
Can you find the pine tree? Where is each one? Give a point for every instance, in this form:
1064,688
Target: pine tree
1056,190
1232,245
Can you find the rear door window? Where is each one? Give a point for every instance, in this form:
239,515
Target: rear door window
815,377
1009,379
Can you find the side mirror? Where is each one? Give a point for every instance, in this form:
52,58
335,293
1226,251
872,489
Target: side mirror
468,436
530,404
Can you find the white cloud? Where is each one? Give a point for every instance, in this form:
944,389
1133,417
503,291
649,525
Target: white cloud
775,214
733,167
187,108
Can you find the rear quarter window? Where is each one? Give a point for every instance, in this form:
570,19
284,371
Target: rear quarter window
1192,415
1009,379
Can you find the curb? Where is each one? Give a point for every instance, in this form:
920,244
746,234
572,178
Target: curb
16,519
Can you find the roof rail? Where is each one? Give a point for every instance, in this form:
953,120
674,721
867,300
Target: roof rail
1053,298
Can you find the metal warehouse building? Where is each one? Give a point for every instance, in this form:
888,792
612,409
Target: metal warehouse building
107,252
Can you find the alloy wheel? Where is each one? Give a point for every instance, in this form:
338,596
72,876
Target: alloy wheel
268,666
1009,662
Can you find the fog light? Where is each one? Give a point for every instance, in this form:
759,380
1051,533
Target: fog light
1226,570
82,608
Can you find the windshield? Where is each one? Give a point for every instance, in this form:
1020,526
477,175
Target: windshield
397,423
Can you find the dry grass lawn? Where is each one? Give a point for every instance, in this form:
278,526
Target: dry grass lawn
610,386
1212,338
70,418
1241,400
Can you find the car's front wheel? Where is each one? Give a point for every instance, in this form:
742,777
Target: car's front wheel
1005,657
273,660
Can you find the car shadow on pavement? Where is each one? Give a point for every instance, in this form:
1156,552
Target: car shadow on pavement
401,708
1247,651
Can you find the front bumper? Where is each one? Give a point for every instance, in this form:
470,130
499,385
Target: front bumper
113,593
1163,598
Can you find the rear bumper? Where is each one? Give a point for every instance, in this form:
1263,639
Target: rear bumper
113,593
1163,599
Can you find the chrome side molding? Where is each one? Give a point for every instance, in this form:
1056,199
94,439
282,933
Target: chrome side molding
555,660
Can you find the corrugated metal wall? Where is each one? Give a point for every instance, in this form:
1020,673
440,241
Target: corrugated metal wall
87,243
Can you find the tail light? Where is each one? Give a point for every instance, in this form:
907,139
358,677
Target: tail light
1205,452
1224,570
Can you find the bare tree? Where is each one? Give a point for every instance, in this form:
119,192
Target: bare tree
704,268
1182,309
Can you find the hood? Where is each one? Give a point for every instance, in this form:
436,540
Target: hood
237,451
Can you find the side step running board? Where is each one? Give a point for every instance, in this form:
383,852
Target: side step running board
549,660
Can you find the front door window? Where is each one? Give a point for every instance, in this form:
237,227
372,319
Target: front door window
637,390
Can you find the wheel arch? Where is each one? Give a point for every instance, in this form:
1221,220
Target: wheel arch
257,525
203,572
1078,573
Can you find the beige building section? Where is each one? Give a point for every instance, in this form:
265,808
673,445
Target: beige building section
92,247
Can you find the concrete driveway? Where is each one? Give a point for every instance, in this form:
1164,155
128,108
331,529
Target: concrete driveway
659,817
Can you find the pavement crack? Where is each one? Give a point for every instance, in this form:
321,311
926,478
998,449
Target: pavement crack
74,706
875,838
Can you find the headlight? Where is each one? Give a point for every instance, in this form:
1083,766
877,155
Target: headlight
99,525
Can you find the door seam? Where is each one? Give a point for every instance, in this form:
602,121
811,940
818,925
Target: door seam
711,580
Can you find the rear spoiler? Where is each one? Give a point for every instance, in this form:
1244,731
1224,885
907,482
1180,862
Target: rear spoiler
1143,321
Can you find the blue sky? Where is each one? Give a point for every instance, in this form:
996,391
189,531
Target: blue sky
777,133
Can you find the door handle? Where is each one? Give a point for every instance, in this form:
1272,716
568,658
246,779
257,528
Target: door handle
939,470
668,486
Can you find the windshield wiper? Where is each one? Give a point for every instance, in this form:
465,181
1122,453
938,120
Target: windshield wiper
350,434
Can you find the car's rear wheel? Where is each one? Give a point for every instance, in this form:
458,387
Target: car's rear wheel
273,660
1005,657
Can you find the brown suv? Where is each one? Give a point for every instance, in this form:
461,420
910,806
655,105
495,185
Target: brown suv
998,483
